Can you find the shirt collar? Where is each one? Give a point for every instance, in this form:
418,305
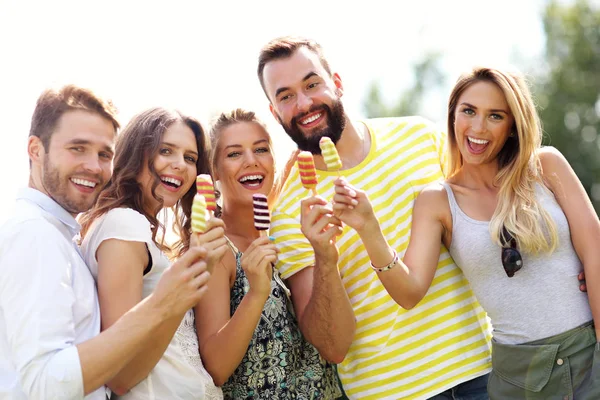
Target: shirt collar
49,205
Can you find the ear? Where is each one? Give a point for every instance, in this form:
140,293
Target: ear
339,86
274,113
35,149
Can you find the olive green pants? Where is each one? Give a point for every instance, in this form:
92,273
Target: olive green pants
565,366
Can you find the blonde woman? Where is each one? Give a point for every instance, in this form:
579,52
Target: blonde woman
518,222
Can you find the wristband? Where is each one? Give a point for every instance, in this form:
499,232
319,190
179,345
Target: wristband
389,266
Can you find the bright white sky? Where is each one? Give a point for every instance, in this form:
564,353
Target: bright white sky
200,56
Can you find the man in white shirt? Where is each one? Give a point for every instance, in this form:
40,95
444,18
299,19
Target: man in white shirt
50,341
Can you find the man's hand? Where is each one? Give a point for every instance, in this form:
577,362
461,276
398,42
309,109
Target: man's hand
320,227
182,285
582,285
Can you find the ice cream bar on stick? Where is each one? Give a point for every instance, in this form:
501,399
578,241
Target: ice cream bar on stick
205,187
262,217
330,154
199,214
308,173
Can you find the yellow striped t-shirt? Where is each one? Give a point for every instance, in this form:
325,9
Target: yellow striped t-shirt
396,353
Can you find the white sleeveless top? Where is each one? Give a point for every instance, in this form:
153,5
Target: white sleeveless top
542,299
179,374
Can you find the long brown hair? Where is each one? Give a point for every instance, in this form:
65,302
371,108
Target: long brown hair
519,166
139,143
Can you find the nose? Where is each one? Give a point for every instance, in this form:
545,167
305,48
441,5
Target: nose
250,159
178,163
478,124
92,164
304,102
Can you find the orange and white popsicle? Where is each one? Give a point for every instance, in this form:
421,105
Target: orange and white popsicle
205,187
330,154
199,214
308,172
262,217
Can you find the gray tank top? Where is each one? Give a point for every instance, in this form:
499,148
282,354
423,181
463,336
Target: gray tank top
540,300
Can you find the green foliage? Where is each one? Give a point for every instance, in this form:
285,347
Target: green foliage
569,93
567,89
428,75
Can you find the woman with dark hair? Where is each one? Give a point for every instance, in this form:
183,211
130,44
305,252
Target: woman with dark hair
157,158
249,338
517,221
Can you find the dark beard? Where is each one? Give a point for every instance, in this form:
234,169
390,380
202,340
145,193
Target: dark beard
336,122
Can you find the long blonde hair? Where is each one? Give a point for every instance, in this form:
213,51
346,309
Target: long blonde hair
519,166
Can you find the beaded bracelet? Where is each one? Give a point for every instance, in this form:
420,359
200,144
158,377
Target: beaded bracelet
389,266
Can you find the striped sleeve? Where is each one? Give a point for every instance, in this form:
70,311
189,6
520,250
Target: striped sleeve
295,252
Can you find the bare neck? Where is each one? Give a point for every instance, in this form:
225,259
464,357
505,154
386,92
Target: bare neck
478,176
239,224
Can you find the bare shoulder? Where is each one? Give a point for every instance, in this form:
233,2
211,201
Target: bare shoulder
554,165
433,195
552,159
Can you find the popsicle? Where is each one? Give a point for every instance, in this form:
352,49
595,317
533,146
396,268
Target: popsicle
330,154
199,214
308,173
262,217
206,188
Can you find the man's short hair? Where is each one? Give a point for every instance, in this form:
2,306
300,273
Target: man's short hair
52,104
285,47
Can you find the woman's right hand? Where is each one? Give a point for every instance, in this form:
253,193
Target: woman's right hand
213,240
257,263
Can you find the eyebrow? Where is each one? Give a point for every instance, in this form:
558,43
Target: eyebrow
307,77
239,145
494,110
175,146
85,142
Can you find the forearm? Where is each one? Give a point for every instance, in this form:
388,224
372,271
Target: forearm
102,357
328,321
399,282
223,352
148,354
592,278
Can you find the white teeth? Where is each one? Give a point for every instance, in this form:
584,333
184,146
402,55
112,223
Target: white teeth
84,182
311,119
250,177
478,141
174,181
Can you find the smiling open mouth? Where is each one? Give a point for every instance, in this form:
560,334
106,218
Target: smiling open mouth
252,180
84,182
172,182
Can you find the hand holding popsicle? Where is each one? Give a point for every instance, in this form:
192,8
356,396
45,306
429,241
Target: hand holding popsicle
308,173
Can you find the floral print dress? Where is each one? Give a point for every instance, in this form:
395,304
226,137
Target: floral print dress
279,363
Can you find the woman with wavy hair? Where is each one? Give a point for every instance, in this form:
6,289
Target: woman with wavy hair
157,158
517,221
249,338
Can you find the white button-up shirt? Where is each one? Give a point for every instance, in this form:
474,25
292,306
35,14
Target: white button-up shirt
48,303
